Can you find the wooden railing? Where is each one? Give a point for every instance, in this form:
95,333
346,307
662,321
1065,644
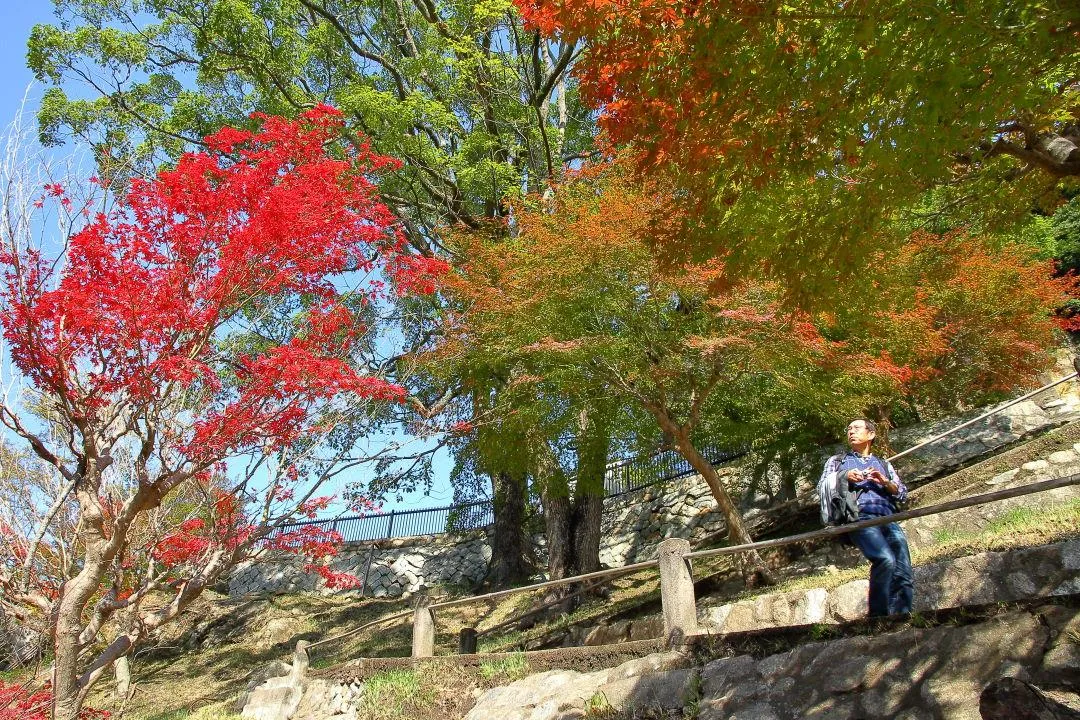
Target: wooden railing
675,559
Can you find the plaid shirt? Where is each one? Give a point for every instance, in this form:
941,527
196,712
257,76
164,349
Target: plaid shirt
873,500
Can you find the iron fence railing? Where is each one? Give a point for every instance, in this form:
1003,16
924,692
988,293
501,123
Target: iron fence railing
404,523
621,477
640,472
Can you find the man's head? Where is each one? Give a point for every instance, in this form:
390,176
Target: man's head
861,433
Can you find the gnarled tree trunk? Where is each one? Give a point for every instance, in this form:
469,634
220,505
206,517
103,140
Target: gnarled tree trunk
572,516
594,443
510,500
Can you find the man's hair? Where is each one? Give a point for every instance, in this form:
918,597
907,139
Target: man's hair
870,425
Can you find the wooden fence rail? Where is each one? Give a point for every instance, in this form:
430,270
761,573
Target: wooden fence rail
675,558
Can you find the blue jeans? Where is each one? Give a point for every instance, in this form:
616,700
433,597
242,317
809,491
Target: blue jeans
885,546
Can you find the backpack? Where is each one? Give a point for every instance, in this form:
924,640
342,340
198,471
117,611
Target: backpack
838,503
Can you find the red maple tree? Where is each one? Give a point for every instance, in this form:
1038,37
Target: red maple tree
192,351
18,703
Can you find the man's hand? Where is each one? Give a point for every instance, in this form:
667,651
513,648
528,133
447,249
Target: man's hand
875,476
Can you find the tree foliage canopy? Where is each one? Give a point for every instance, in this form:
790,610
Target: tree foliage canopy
800,126
578,298
475,106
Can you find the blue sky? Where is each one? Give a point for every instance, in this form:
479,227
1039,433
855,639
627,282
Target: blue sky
16,20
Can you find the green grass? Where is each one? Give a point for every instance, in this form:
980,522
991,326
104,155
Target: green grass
506,670
397,695
14,675
946,535
1016,527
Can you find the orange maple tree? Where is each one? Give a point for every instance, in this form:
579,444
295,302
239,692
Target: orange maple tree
578,300
800,129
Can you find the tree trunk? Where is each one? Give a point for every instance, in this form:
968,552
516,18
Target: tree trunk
788,476
588,511
75,594
594,442
560,540
508,565
1012,699
558,514
751,565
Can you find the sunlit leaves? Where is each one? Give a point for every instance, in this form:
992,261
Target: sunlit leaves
747,104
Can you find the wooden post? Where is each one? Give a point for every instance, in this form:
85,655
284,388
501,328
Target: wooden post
423,632
677,591
467,641
300,661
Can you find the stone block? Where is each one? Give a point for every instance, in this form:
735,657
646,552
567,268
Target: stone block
812,607
1002,478
653,691
647,628
721,675
850,601
1062,457
1070,555
609,634
272,702
848,675
712,619
740,618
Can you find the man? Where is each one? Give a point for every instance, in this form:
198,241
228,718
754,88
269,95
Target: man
878,490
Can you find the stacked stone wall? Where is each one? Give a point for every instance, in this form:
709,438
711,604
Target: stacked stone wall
387,568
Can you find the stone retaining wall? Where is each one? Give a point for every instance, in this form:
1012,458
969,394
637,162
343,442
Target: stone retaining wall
389,568
913,673
1018,575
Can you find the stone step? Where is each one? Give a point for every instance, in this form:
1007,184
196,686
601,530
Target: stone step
1012,576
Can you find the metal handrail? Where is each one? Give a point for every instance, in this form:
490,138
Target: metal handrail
613,487
985,415
830,532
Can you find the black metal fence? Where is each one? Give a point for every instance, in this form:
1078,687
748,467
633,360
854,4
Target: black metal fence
621,477
405,523
640,472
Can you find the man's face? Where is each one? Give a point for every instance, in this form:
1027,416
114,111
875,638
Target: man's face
859,434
